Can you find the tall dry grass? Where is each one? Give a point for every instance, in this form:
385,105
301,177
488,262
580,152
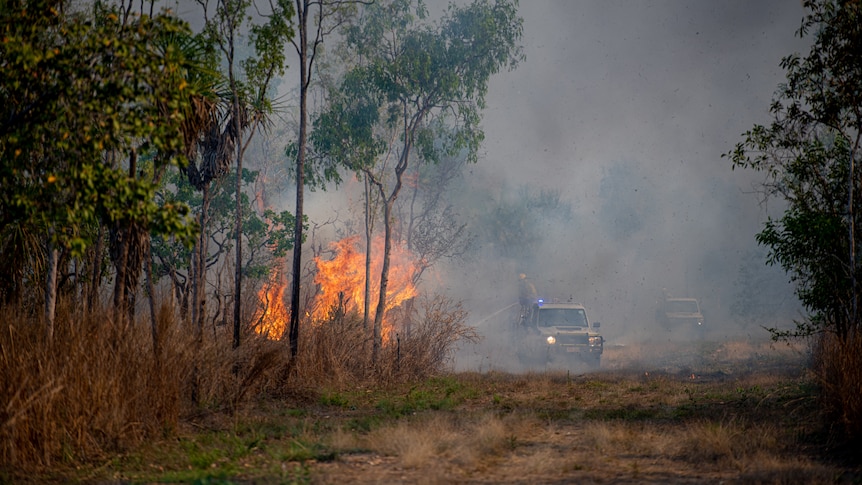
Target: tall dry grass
93,389
838,366
99,388
338,352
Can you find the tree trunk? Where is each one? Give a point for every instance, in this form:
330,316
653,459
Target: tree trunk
851,214
193,282
237,305
151,294
368,231
384,281
120,280
296,268
199,274
51,287
388,203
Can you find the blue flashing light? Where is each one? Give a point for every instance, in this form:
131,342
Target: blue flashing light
540,301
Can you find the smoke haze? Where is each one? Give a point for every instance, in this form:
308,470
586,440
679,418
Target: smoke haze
626,108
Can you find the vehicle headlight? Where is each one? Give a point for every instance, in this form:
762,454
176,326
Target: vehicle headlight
551,340
595,341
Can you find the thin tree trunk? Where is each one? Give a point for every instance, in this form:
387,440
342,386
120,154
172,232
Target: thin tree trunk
200,270
237,308
368,231
95,282
852,217
151,294
384,281
388,203
51,287
193,281
120,282
124,236
296,269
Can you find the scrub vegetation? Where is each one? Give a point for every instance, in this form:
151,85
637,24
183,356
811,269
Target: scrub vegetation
100,408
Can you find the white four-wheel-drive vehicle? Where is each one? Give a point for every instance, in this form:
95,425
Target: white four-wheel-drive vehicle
559,335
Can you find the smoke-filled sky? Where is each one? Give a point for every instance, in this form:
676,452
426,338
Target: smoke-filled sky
670,84
652,93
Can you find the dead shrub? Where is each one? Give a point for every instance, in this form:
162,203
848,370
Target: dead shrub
338,351
428,344
335,352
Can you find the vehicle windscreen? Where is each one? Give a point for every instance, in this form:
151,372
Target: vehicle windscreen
553,317
682,306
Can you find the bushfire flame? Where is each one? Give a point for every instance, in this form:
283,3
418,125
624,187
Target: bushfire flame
345,274
272,316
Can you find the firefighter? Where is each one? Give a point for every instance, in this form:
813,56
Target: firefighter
526,297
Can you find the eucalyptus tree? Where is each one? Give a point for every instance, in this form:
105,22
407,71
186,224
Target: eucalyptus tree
316,19
84,97
421,87
810,155
250,80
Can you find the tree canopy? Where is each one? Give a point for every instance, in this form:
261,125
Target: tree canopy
80,94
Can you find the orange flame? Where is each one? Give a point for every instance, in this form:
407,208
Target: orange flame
273,315
345,273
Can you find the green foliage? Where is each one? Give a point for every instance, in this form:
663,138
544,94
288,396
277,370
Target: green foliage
82,97
266,237
344,133
810,154
424,83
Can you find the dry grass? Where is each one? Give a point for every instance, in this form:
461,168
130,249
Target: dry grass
99,388
838,365
739,411
726,424
425,440
338,353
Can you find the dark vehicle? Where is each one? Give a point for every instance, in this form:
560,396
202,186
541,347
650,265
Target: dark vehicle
560,335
